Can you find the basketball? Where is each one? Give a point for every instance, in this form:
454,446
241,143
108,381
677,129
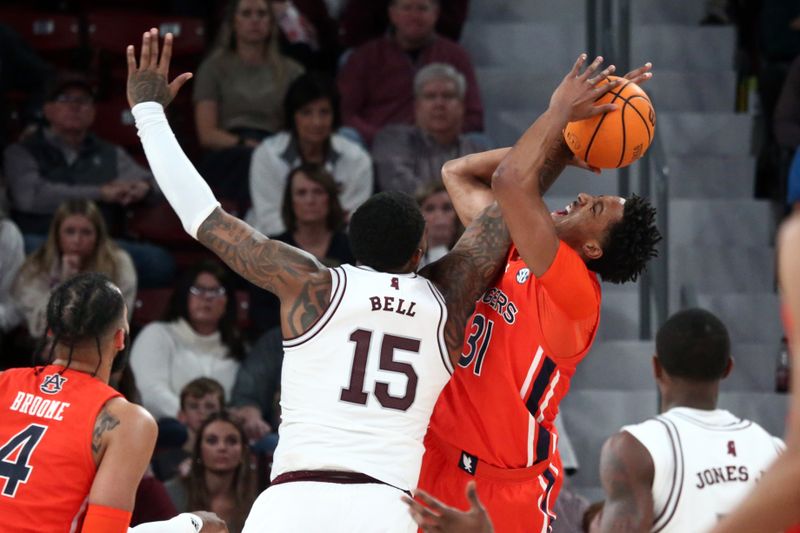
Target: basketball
618,138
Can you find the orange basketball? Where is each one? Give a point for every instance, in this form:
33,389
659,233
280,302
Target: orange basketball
618,138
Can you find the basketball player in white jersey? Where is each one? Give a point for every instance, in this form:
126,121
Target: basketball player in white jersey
368,348
688,467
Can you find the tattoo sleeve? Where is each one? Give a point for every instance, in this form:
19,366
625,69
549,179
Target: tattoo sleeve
105,422
296,277
629,505
148,86
464,274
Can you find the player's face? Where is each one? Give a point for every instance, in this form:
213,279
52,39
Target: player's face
207,301
71,111
438,108
314,122
414,20
197,408
252,21
587,217
309,200
440,218
221,447
77,236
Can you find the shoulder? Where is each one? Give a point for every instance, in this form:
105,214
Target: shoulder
273,145
347,148
623,453
443,44
293,68
10,235
122,258
370,49
396,134
154,331
132,419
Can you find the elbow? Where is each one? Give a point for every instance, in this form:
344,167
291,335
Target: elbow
449,172
506,182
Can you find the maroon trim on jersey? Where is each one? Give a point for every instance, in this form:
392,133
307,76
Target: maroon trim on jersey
322,321
330,476
677,455
443,352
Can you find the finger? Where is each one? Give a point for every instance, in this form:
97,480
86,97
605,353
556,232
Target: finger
430,501
600,109
130,52
641,78
603,88
639,71
576,68
592,67
144,55
603,75
166,56
153,48
179,82
422,511
472,496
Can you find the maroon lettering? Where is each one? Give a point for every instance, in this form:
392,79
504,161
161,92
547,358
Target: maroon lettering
743,474
387,303
395,284
410,311
702,483
719,476
731,471
376,303
731,448
400,309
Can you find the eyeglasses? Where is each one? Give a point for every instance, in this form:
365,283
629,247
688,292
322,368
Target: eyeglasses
208,292
80,100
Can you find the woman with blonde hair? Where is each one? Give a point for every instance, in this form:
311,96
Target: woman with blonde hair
77,242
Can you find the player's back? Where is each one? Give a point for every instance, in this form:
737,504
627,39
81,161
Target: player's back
705,463
358,388
47,415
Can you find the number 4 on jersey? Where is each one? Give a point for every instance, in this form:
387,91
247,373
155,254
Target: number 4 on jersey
15,456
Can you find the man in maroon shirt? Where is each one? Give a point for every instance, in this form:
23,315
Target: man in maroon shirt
376,83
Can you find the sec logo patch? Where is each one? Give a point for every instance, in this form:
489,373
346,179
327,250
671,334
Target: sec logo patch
523,275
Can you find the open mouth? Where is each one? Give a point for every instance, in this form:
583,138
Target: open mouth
563,212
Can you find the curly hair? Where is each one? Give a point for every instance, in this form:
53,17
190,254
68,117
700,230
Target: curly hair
629,244
386,230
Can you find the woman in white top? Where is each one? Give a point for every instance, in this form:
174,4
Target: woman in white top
199,337
312,115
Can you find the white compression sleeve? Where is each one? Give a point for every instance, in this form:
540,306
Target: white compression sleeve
185,189
183,523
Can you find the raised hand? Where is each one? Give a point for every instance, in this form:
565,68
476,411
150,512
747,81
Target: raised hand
641,74
147,82
576,95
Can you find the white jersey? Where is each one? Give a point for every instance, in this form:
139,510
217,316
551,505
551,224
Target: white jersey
705,463
358,388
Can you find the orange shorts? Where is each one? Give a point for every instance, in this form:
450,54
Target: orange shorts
517,500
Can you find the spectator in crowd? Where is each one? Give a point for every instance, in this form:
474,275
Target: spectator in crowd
314,222
12,255
238,95
77,242
441,221
257,391
312,115
198,337
410,156
309,34
220,478
377,80
786,123
66,161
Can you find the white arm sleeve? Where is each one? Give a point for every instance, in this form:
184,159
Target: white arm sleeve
185,189
183,523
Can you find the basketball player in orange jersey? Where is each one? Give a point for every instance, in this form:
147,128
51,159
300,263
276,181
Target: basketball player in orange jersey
72,450
493,421
774,505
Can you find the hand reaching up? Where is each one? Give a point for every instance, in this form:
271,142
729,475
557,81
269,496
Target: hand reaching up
147,82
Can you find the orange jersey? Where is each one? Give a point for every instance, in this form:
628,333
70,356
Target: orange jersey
47,416
521,348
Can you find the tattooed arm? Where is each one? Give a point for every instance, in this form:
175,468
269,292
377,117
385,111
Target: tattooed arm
123,439
467,270
626,472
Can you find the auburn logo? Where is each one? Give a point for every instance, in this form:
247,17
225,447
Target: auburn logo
52,384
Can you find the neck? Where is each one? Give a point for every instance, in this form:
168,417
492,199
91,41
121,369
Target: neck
250,52
409,45
204,328
444,138
312,152
219,483
694,395
79,364
72,138
312,232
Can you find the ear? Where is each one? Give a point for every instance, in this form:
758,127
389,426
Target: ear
728,368
591,249
658,370
119,339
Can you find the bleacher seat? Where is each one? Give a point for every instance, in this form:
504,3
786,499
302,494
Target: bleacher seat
44,31
113,30
114,123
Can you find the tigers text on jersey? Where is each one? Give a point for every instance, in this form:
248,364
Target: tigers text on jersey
705,463
47,416
358,388
501,404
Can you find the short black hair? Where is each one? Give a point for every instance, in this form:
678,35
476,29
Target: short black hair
694,344
82,309
629,244
304,90
386,230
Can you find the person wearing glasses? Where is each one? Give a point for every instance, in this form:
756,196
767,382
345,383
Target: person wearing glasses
197,338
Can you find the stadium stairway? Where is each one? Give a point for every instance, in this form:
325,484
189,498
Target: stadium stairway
721,252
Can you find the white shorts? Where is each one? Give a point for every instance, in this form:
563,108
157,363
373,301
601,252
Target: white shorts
311,507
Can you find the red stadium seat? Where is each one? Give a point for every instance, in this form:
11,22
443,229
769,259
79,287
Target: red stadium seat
114,30
150,305
44,31
114,123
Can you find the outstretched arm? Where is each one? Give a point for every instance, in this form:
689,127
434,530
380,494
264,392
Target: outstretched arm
626,472
297,278
468,180
467,270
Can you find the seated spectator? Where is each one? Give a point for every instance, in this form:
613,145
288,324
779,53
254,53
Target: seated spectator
256,393
410,156
199,337
77,242
786,123
312,114
238,94
441,222
377,80
66,161
12,255
221,479
314,220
